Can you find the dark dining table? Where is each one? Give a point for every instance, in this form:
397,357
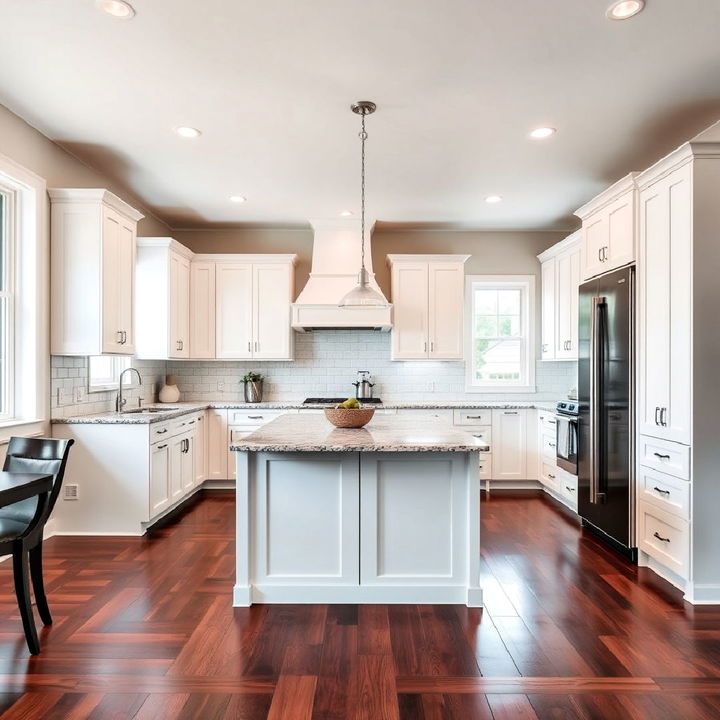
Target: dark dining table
14,487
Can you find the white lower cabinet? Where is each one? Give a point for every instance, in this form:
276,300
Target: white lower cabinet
509,445
664,536
217,445
159,477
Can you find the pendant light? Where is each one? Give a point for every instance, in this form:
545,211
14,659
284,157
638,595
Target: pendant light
363,295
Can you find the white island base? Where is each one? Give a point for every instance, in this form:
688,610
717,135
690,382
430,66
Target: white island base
358,526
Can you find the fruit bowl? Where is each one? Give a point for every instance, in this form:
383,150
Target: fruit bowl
349,417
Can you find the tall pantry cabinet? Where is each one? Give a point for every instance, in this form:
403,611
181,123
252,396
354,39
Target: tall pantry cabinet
678,493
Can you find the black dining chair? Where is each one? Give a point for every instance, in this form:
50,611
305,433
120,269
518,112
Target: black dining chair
21,526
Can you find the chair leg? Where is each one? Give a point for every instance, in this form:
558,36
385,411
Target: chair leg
36,573
22,591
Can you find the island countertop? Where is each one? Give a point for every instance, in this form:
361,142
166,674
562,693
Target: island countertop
384,433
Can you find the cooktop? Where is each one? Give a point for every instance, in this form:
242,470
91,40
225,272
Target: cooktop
337,401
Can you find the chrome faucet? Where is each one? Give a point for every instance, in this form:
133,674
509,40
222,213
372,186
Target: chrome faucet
120,400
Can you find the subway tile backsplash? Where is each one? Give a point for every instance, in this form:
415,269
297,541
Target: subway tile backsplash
325,364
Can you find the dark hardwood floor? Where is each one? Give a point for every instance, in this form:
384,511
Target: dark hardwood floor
144,629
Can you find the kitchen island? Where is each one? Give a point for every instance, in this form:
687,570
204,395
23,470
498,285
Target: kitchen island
388,513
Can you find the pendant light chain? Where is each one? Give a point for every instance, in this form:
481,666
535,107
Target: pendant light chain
363,138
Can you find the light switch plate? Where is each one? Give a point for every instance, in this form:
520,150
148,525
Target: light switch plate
62,396
79,395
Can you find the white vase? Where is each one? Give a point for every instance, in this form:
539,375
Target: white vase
169,392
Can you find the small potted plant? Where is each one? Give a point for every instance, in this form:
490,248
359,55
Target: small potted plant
253,383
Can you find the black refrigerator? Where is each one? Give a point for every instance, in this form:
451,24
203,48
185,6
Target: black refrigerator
606,457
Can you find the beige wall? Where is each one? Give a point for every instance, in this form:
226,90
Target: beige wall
31,149
492,252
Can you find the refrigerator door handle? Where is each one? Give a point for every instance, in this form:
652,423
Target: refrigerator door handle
595,398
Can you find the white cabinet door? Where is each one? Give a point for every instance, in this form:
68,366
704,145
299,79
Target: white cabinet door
548,309
126,283
446,290
188,463
509,444
112,333
595,238
233,311
200,448
410,311
202,310
665,273
272,334
217,446
177,452
179,310
568,280
159,477
620,248
307,514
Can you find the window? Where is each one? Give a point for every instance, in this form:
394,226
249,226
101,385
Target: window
7,312
104,371
500,333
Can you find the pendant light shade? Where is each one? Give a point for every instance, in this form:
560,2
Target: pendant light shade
363,294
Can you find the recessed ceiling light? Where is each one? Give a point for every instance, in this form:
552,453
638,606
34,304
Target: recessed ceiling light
346,213
237,198
187,132
624,9
492,199
542,132
117,8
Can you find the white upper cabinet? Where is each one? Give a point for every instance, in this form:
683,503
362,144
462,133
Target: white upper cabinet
665,291
609,224
92,272
560,282
162,307
252,307
202,309
428,303
233,310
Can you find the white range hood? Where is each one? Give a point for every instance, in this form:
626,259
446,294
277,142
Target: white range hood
334,272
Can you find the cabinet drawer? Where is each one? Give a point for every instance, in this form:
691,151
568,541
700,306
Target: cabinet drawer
183,424
485,466
239,433
568,487
668,457
549,476
482,433
472,417
664,491
252,417
547,421
441,414
664,537
159,431
547,446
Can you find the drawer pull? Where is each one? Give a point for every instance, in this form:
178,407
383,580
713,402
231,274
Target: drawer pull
162,447
551,444
192,422
551,422
551,476
662,492
569,489
473,417
161,432
661,456
255,417
510,412
660,537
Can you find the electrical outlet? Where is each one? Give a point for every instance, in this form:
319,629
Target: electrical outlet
79,395
62,396
221,385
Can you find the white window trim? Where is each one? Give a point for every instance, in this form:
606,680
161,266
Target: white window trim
110,385
8,192
31,380
499,281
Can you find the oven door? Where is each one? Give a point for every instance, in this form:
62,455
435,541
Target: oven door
566,443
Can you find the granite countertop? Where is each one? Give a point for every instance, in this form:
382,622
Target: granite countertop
174,411
384,433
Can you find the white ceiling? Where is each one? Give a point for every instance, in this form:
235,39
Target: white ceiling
458,84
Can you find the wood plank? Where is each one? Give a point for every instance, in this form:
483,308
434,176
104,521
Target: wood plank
293,698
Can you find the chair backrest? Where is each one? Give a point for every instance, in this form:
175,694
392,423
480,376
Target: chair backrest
39,455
